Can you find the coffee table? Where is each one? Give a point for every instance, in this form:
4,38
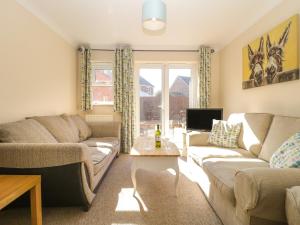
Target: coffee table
146,156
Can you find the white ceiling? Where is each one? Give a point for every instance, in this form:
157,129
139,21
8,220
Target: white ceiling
190,23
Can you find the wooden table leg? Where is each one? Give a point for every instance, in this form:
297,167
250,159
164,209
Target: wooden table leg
36,205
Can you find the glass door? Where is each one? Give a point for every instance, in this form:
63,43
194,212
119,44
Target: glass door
150,99
180,98
165,92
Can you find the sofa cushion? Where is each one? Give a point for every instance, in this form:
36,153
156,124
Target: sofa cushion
255,127
281,129
72,126
84,130
110,142
224,134
221,172
201,153
98,156
58,127
25,131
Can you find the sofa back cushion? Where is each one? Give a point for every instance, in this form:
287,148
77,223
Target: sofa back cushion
72,126
58,127
255,127
84,130
281,129
25,131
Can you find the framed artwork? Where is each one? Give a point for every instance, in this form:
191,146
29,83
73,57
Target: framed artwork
273,57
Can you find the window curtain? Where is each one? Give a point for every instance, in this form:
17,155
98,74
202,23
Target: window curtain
85,78
204,77
124,95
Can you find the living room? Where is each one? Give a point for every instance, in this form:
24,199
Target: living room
149,112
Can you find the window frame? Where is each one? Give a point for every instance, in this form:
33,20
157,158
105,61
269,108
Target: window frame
101,66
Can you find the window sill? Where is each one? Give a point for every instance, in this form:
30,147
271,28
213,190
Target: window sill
103,104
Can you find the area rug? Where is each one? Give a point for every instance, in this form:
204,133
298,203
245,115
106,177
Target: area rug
154,203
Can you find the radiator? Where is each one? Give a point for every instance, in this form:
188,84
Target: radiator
99,118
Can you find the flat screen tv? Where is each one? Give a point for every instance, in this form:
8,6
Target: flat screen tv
201,119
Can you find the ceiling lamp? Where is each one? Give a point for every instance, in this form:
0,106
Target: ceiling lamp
154,15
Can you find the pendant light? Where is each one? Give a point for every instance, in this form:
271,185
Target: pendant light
154,15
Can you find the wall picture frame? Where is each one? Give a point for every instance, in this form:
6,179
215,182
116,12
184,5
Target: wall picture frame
273,57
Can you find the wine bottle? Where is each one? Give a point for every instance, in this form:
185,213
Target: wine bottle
157,137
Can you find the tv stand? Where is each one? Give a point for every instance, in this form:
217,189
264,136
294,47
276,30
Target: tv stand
196,130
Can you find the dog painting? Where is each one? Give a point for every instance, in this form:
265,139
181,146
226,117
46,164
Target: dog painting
273,57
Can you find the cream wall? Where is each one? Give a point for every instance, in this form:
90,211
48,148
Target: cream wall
160,57
37,67
278,98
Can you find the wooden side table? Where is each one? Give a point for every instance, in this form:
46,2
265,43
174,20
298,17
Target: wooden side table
13,186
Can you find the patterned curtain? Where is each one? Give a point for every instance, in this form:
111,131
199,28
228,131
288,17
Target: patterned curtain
123,95
204,74
85,78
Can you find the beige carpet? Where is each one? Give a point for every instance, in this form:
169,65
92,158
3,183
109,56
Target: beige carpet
154,203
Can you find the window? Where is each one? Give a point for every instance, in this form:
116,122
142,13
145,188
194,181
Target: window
102,84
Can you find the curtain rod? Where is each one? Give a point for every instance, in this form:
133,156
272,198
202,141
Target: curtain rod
144,50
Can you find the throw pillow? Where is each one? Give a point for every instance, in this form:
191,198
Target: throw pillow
225,134
72,126
288,154
84,130
58,127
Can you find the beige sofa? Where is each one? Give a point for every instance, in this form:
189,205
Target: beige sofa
238,183
71,156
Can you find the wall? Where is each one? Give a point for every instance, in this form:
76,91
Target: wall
278,98
37,67
159,57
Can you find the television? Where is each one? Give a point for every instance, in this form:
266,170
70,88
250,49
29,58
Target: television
202,119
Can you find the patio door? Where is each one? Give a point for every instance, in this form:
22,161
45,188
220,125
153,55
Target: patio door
150,98
164,93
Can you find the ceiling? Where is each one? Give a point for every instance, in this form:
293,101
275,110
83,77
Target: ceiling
190,23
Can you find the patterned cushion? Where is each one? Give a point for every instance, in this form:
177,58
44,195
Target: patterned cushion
225,134
288,154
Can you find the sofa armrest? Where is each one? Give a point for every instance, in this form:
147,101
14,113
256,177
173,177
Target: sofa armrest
197,138
38,155
261,192
105,129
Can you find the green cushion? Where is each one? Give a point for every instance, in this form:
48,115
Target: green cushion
225,134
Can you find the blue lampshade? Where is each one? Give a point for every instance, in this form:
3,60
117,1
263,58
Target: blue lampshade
154,14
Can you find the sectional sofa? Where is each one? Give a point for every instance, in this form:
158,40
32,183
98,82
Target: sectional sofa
71,155
239,183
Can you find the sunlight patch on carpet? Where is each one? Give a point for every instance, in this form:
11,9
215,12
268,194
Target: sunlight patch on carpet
129,203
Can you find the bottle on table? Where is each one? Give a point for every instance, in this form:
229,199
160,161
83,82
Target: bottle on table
157,137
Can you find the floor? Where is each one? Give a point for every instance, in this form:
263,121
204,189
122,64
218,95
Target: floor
154,203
